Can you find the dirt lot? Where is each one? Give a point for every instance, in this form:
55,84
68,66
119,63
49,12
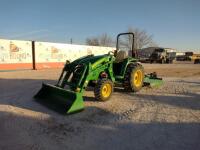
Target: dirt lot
163,118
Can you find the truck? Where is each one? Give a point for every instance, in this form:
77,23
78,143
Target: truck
161,55
195,58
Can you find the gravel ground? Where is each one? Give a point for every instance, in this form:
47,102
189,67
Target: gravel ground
165,118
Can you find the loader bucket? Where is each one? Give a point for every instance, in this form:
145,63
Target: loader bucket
70,101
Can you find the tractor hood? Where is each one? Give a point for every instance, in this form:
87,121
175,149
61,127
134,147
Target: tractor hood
92,59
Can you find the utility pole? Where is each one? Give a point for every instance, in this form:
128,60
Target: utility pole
71,40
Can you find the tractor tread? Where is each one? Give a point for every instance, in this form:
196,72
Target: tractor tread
98,88
127,78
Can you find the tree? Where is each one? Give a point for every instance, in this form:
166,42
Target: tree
102,40
105,40
142,38
93,41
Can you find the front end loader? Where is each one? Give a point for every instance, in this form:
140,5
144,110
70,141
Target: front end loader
103,72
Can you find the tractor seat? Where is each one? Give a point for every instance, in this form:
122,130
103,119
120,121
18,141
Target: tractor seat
121,55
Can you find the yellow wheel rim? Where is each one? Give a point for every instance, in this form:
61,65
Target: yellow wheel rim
137,78
106,90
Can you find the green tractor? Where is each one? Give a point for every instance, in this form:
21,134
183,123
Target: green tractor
103,72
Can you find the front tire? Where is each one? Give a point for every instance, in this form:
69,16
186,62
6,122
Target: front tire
134,78
103,89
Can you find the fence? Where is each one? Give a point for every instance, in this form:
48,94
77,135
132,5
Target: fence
16,54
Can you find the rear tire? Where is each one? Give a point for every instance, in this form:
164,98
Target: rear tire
134,78
103,89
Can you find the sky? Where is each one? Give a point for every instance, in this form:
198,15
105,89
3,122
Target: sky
173,23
